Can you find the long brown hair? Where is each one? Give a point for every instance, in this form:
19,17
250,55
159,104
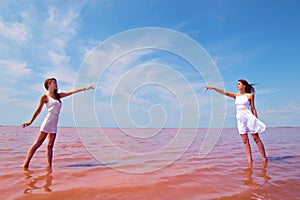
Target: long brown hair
46,85
249,87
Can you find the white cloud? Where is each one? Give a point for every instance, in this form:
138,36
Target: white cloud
266,91
127,75
14,69
217,59
181,25
44,37
115,71
62,74
290,107
15,31
144,84
58,59
36,39
286,108
61,27
13,96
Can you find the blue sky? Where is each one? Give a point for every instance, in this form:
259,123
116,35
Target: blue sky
254,40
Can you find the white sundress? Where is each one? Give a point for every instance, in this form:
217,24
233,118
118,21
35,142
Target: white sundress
246,121
50,122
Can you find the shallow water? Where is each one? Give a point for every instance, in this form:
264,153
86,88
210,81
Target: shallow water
223,174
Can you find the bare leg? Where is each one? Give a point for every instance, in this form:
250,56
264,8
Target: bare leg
260,146
247,147
38,142
49,150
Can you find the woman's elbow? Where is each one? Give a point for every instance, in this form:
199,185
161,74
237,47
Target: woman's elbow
38,111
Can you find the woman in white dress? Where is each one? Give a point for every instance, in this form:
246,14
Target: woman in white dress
49,125
246,115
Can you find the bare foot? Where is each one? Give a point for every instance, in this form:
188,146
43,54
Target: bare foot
265,163
49,170
250,164
24,167
250,161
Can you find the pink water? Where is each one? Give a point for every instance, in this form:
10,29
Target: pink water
223,174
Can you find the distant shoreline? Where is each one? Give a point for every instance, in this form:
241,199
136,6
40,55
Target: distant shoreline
147,127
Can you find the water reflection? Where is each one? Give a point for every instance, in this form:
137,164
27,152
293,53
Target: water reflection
263,172
32,183
248,174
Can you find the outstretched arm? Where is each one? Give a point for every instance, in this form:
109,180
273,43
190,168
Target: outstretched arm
43,100
229,94
65,94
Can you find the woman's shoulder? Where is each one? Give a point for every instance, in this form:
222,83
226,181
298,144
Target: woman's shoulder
44,98
250,95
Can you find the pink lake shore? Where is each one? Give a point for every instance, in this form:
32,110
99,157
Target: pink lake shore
223,174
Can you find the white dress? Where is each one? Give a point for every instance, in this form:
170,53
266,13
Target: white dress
49,124
246,121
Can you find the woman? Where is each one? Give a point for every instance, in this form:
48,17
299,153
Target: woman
49,125
246,115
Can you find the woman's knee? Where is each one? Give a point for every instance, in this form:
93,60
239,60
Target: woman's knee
50,146
256,138
51,140
245,139
36,145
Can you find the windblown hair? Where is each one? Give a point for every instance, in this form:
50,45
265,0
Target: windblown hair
249,87
46,85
